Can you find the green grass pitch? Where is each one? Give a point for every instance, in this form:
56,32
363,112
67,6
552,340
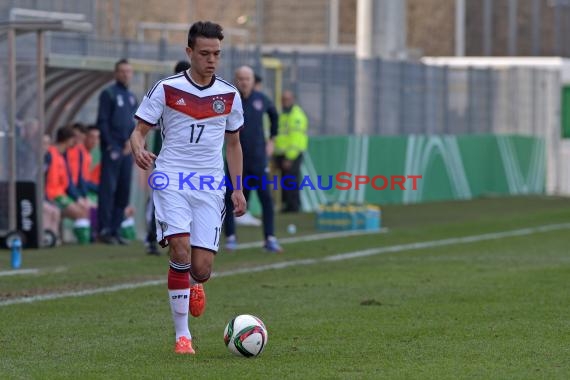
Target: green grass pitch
490,309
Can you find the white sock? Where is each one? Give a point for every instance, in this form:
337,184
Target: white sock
179,304
129,222
81,223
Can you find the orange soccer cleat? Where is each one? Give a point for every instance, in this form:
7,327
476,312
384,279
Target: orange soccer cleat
197,300
184,346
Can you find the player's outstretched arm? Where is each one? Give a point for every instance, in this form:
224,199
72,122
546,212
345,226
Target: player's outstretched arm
235,166
143,157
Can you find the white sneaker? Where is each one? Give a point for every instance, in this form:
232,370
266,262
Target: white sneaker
248,220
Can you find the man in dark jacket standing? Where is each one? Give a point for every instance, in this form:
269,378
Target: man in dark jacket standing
256,151
115,120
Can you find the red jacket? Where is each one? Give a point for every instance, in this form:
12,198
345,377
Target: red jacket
79,161
57,180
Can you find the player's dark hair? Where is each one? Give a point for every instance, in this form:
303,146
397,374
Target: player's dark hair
258,78
64,134
92,127
181,66
122,61
79,127
206,29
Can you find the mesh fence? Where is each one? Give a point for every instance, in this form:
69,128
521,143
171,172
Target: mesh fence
405,97
414,98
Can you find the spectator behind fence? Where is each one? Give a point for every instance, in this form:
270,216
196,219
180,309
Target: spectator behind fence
151,243
57,185
117,107
290,143
255,156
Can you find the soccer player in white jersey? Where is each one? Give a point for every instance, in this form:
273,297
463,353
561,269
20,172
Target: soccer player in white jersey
196,110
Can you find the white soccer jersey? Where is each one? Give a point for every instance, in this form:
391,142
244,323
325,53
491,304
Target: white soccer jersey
194,120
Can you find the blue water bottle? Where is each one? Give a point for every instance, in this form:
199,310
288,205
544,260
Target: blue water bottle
16,253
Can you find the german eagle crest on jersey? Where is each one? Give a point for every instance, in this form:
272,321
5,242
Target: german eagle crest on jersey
219,106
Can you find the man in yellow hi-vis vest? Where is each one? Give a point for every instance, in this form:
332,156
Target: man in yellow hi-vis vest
290,143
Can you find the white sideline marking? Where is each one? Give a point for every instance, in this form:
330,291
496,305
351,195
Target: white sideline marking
81,293
321,236
18,271
257,244
292,263
450,241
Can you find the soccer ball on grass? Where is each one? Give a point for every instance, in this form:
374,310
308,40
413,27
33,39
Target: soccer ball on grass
245,335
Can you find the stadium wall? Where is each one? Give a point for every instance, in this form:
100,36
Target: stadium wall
452,167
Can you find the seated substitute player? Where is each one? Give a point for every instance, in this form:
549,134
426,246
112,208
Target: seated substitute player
197,110
57,185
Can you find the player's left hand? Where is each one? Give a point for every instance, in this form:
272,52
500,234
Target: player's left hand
240,204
